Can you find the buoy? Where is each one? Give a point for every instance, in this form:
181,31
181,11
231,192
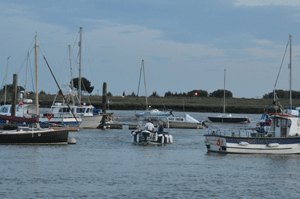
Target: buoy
248,120
71,140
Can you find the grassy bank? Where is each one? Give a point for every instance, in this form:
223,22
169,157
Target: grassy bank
193,104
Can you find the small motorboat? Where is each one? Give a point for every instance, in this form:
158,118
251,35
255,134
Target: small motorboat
144,135
148,137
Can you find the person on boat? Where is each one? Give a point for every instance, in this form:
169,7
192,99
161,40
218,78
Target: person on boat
160,127
149,126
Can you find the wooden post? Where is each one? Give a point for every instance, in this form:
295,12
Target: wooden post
104,102
14,96
104,97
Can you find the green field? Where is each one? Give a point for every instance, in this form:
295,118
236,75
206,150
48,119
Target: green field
192,104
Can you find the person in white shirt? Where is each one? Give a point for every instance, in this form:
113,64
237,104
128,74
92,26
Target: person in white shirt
149,126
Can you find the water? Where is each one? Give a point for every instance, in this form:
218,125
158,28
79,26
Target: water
104,164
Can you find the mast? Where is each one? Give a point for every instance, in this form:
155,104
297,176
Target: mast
36,77
79,80
27,63
72,83
224,89
143,66
6,80
290,67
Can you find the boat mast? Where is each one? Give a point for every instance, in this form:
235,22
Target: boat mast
6,80
36,77
290,67
145,84
72,83
224,89
79,80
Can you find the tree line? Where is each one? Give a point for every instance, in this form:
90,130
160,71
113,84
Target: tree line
194,93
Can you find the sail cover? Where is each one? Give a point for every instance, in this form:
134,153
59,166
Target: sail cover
18,119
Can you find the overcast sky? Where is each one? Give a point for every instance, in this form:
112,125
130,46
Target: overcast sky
186,45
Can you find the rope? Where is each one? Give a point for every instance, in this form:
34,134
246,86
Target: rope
273,94
137,95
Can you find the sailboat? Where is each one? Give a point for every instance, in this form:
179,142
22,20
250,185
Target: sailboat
149,113
87,116
283,136
227,117
31,134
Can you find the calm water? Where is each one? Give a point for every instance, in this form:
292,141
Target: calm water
104,164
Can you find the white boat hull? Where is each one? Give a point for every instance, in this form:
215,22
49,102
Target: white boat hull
90,121
259,145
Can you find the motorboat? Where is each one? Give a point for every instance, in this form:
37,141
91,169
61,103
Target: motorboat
153,113
283,137
185,122
143,136
84,115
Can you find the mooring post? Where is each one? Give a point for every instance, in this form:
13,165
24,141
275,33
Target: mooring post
14,95
104,97
104,101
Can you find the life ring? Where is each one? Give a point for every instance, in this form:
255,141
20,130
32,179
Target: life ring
54,124
49,116
218,143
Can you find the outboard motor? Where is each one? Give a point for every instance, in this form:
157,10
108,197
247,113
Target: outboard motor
203,123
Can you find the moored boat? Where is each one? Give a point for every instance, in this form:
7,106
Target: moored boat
228,118
283,137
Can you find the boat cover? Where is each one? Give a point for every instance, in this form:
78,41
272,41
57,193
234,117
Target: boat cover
18,119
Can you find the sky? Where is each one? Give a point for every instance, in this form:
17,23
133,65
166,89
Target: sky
185,45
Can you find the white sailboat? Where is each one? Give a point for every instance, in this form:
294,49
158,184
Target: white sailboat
149,113
227,117
85,114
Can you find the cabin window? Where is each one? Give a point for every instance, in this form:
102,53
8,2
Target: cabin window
88,110
4,110
298,122
283,123
80,110
289,123
277,121
64,110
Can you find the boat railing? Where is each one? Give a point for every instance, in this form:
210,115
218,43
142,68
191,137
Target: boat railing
234,132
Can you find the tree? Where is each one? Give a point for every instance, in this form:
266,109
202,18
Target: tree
42,92
168,94
154,94
132,94
197,93
220,94
9,88
85,84
282,94
109,94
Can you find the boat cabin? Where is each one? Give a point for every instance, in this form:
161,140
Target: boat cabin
82,110
284,125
